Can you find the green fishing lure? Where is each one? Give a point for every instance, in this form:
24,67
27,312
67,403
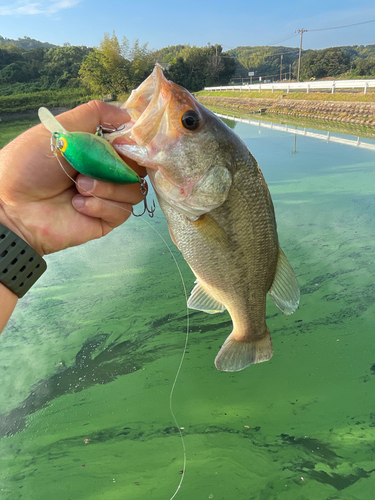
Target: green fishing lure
93,156
89,154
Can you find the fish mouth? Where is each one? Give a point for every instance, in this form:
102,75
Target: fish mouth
146,106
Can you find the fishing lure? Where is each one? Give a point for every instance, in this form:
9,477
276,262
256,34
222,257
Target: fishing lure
92,155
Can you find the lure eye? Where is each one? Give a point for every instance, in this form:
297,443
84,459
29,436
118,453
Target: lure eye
62,144
190,120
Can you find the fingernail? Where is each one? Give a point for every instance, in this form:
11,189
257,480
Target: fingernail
78,201
86,184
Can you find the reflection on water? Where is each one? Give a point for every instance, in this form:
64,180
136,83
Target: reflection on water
327,137
88,360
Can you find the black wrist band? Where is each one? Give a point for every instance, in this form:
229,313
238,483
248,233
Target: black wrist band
20,265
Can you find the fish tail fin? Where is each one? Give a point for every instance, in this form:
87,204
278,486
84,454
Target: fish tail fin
235,355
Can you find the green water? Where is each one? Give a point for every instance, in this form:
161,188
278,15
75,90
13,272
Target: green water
92,351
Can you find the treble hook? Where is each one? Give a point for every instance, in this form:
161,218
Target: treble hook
100,129
151,210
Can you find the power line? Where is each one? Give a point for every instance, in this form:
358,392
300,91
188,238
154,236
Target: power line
292,35
345,26
300,32
284,39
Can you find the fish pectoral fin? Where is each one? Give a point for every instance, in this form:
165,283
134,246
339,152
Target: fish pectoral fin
285,290
236,355
199,299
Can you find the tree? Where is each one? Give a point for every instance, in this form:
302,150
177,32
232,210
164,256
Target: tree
197,67
322,63
111,49
178,72
142,62
116,67
94,74
14,72
364,67
10,54
263,61
215,65
61,65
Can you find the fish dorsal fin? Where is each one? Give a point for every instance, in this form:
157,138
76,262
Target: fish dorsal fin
199,299
285,290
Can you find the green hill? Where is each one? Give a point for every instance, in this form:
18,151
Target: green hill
26,43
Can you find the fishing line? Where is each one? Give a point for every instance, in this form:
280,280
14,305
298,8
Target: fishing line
187,321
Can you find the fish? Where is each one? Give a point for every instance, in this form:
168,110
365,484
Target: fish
219,211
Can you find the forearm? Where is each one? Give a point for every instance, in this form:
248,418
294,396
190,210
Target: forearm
8,301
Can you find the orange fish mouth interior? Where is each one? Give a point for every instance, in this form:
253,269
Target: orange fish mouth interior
160,116
146,106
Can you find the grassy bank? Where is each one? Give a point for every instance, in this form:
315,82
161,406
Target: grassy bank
348,107
299,96
32,101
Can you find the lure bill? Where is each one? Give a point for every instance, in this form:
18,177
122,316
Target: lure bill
89,154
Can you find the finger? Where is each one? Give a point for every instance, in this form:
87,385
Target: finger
113,213
126,193
88,116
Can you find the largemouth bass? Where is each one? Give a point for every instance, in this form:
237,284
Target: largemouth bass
219,212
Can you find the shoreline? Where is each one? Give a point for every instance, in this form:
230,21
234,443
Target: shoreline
353,112
349,112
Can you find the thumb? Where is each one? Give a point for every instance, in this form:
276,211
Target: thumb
87,117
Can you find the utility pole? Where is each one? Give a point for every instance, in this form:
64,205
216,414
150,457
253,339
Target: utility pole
301,31
281,67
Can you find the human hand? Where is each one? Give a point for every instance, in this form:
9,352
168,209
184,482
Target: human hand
41,204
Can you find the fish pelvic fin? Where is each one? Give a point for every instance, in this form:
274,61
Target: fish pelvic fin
235,355
199,299
285,290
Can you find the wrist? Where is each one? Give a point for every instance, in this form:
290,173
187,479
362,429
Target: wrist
8,301
20,265
18,228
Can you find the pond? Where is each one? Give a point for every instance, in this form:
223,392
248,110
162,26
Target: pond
88,360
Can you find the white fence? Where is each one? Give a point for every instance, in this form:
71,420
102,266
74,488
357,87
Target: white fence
293,130
331,85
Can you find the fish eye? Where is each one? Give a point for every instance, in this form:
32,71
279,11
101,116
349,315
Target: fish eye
190,120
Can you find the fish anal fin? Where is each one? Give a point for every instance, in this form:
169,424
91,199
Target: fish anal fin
235,355
201,300
285,290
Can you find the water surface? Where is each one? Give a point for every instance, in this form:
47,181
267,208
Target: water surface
92,351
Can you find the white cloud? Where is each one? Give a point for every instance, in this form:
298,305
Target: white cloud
29,8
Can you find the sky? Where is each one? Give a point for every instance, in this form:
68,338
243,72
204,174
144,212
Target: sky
230,23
